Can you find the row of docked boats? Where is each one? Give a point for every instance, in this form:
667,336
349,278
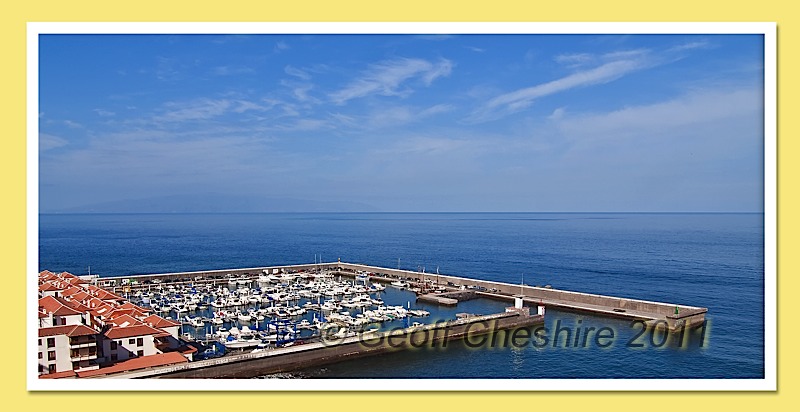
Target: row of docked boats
348,306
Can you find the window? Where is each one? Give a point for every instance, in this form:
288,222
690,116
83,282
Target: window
140,342
51,355
40,342
40,355
131,341
113,345
41,368
51,368
113,357
51,342
140,353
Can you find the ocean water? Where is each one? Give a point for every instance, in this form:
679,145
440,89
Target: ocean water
710,260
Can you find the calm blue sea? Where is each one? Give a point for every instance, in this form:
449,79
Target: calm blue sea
710,260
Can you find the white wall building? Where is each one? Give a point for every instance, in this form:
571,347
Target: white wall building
121,343
67,348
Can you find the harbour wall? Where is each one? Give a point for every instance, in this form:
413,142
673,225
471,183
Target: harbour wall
579,301
427,337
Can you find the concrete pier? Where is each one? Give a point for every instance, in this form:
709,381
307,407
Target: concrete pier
432,336
662,315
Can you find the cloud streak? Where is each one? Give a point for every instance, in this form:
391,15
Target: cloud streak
49,141
517,100
387,77
204,109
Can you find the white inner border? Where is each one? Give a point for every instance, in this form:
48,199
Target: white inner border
769,383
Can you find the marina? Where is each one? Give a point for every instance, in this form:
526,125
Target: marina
436,288
255,321
281,319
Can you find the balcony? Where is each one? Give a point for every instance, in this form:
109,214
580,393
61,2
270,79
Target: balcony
82,343
85,355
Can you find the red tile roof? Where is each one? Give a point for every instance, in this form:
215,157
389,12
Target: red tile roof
49,303
77,281
54,306
162,359
159,322
106,295
66,311
51,286
66,275
81,296
128,312
117,332
80,307
56,375
71,291
126,320
69,330
47,275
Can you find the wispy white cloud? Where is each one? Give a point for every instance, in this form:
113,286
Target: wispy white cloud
583,60
386,78
475,49
104,113
519,99
391,116
293,71
693,109
557,114
304,125
49,141
205,108
701,44
167,69
574,59
73,125
280,46
426,145
436,109
300,90
346,120
194,110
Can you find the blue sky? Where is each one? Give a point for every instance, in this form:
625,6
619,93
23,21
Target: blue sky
404,122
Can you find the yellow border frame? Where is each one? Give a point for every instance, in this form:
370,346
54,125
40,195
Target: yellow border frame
13,162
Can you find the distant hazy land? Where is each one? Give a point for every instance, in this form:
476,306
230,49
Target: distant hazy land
214,203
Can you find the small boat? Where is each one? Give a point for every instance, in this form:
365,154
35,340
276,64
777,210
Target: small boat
399,284
248,340
197,322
